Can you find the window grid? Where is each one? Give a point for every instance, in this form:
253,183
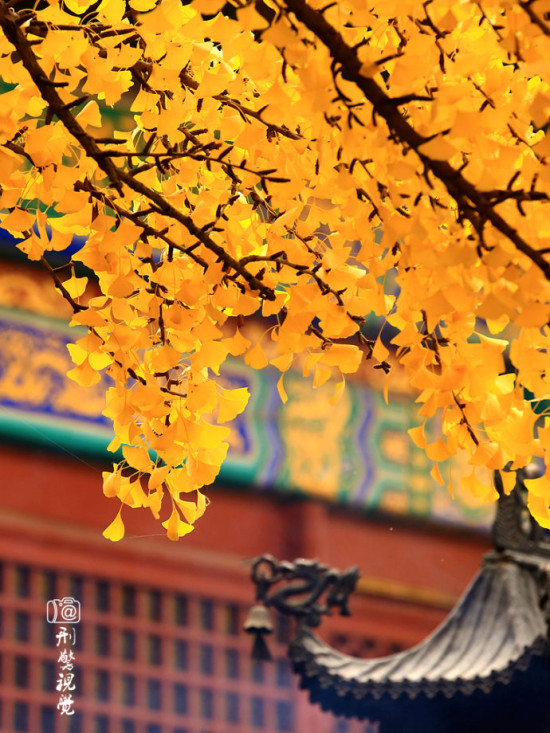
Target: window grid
150,659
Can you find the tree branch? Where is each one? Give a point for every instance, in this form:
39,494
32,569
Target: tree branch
465,194
117,176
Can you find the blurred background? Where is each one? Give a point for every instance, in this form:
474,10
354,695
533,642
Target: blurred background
159,647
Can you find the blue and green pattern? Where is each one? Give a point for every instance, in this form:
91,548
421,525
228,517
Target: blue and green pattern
356,453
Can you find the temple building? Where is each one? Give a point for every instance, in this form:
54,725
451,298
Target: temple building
486,668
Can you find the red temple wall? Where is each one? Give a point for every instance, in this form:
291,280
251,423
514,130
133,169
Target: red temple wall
52,514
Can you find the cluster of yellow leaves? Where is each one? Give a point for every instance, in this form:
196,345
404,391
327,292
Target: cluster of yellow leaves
259,180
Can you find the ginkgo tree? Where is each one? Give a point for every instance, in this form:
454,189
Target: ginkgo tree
286,160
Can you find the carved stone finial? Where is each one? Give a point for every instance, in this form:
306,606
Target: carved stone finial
301,585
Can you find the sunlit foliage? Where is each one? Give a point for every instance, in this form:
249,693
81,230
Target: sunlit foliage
289,159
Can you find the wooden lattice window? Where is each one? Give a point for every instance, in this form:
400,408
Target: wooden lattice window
147,660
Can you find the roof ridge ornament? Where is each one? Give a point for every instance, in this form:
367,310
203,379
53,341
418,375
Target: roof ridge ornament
305,582
513,527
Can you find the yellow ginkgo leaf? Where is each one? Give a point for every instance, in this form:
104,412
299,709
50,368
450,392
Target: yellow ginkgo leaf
281,389
78,353
509,479
438,148
138,457
539,508
435,473
321,374
256,357
76,286
112,11
232,403
380,352
111,483
344,356
209,7
134,496
142,6
202,503
236,344
338,392
202,397
100,360
438,451
18,221
175,527
157,477
90,114
114,445
283,362
539,487
211,355
115,531
84,374
78,7
417,435
481,490
188,509
155,501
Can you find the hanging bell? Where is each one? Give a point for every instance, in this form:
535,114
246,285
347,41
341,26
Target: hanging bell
259,623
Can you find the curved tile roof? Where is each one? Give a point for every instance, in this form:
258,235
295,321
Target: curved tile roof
496,629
